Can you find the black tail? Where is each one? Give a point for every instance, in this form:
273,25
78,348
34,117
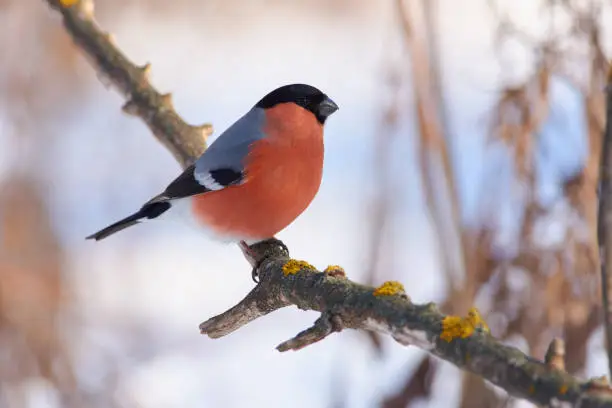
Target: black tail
149,211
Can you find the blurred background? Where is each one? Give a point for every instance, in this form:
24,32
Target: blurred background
463,162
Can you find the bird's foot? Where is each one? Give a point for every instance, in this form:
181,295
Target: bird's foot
252,257
255,273
256,257
274,242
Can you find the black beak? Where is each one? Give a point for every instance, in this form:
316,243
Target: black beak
327,107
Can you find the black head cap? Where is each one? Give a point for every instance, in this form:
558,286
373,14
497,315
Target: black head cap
306,96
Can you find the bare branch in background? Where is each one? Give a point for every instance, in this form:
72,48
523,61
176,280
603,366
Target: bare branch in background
31,282
417,385
433,149
562,275
605,225
555,355
464,342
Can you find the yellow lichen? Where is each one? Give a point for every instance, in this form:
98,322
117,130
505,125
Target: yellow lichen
68,3
563,389
477,321
461,327
335,270
293,266
390,288
531,389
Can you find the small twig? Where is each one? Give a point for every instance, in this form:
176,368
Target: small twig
555,355
257,303
249,309
325,325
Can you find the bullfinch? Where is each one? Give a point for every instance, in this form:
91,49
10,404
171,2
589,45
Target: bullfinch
257,177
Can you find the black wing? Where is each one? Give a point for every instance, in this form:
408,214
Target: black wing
187,185
226,177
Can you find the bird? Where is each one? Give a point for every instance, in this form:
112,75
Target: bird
257,177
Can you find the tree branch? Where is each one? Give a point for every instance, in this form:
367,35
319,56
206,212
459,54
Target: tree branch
185,142
343,304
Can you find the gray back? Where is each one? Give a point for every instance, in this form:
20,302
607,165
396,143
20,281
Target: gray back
232,146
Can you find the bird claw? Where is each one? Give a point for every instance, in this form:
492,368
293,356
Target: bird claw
255,258
254,274
275,241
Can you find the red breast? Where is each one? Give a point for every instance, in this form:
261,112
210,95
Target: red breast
283,175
